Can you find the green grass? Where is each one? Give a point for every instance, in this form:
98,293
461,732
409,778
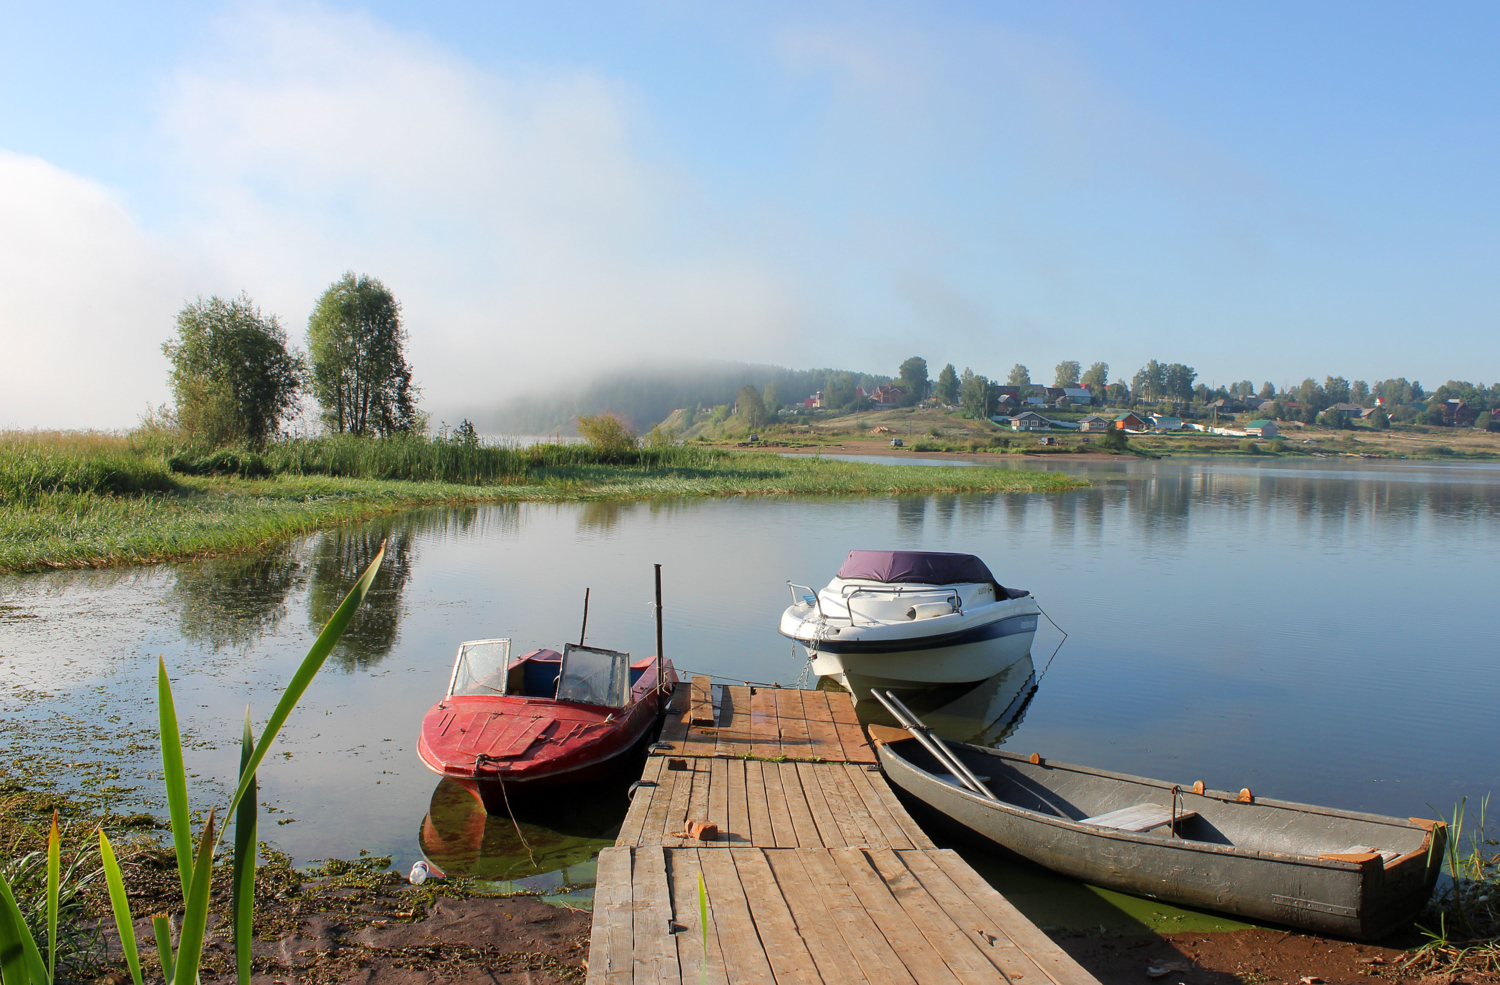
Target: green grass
82,499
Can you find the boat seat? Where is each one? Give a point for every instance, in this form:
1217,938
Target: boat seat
1141,817
1386,855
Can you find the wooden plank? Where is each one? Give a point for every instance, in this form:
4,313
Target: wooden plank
739,809
655,950
976,923
701,701
782,833
785,949
804,898
718,797
1040,948
610,942
924,963
848,807
829,834
794,742
856,746
804,828
765,730
744,959
640,805
962,951
697,809
849,917
655,825
761,834
891,833
676,817
734,722
908,824
682,868
822,734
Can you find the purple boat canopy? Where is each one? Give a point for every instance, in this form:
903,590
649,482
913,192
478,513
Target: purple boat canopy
920,567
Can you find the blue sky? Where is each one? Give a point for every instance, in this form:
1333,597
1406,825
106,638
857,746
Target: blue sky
1263,192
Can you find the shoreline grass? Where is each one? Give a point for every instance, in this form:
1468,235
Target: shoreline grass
108,503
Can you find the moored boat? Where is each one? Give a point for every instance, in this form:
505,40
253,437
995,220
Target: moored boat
910,619
1316,868
507,727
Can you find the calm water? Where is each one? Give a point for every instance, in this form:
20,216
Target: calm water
1316,631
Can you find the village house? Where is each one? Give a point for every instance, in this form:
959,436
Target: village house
888,396
1130,422
1456,413
1163,423
1076,395
1029,420
1094,422
1261,429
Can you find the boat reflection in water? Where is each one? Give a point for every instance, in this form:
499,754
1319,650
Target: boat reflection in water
984,714
564,834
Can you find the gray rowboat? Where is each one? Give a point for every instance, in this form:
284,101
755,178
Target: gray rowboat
1315,868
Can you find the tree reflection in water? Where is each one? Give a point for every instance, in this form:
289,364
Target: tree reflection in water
337,560
235,600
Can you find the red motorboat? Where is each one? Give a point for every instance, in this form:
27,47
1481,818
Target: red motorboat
541,719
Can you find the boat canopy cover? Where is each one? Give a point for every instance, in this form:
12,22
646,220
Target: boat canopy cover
920,567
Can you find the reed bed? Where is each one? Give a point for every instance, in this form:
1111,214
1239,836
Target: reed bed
70,499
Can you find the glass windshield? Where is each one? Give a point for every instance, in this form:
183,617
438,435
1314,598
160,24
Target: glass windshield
595,677
481,667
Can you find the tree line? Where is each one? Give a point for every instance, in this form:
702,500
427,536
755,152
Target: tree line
235,380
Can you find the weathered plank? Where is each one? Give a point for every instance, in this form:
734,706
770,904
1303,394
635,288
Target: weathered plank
761,834
718,797
848,807
822,734
739,808
922,961
655,957
804,828
848,916
961,951
794,742
887,796
786,951
890,831
611,944
676,817
701,701
856,747
780,815
1040,948
640,804
661,805
804,898
765,729
977,923
829,833
682,867
744,957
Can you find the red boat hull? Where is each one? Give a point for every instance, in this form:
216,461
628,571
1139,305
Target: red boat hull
505,747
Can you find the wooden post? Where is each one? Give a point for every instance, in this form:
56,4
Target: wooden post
584,631
661,684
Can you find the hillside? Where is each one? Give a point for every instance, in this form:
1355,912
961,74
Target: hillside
645,395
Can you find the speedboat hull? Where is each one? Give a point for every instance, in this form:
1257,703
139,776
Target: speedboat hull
910,619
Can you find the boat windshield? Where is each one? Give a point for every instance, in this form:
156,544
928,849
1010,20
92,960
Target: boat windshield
594,677
480,668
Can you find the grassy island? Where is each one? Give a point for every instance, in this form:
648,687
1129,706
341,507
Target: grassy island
75,499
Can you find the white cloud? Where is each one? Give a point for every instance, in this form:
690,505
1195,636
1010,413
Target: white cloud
86,299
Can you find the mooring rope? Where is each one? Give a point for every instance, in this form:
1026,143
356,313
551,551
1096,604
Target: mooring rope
1059,642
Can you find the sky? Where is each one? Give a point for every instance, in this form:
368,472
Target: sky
1263,192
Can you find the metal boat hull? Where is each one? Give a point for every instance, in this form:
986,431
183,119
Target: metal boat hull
1262,860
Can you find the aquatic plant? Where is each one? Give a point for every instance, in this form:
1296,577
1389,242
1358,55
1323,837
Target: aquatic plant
1462,923
21,958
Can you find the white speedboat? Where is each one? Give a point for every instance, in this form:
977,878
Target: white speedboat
910,619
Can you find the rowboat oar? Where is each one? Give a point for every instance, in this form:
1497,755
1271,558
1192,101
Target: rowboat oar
933,744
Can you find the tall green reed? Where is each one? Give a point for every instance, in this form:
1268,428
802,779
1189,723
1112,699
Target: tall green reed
21,959
1467,907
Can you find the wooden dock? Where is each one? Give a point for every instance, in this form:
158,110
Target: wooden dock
826,878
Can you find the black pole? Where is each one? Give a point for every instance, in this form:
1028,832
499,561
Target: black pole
585,628
661,684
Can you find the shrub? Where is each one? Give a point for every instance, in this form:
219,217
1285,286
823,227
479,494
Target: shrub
1276,445
1114,440
607,432
1250,446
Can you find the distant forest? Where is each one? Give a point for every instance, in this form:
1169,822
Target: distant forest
645,396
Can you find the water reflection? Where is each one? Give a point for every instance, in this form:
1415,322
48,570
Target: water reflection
562,835
984,714
338,559
236,600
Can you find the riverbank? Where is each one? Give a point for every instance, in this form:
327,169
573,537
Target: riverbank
172,515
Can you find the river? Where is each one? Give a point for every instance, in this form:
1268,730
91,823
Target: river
1316,630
